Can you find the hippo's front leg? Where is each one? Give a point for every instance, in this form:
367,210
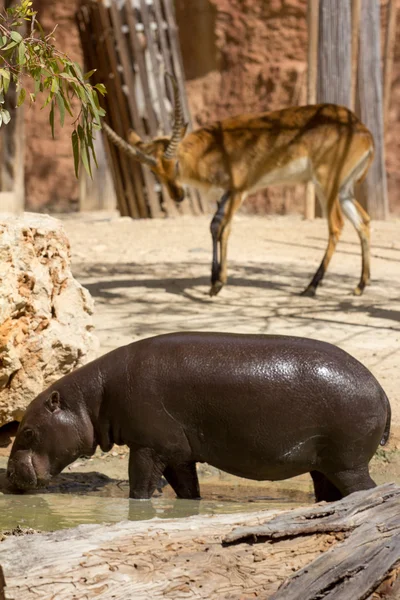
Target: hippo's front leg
145,470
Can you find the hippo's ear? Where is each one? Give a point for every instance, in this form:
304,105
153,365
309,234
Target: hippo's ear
53,402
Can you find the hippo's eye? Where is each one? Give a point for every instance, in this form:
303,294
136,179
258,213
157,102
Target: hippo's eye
28,435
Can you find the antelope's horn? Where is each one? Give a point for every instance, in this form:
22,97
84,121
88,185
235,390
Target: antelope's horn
135,153
170,150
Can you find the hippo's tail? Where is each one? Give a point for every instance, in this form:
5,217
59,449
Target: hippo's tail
386,433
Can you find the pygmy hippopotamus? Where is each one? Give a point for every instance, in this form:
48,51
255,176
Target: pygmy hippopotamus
263,407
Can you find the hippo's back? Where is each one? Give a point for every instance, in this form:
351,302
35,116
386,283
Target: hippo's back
254,374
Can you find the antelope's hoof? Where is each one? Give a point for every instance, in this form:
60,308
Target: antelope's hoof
358,291
309,292
216,287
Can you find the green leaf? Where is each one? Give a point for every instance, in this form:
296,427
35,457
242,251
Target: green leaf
5,116
21,53
4,73
48,100
9,46
89,73
66,102
6,84
51,119
21,97
75,149
84,150
90,145
17,37
54,85
61,108
101,88
78,71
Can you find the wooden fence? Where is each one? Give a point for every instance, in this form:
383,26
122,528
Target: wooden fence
132,44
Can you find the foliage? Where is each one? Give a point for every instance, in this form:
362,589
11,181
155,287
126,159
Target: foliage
54,74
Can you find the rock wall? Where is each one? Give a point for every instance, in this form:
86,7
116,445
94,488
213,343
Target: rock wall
50,180
45,314
239,55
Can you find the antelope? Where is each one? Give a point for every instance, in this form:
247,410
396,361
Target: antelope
323,143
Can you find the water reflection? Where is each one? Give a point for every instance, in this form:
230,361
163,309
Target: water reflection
59,511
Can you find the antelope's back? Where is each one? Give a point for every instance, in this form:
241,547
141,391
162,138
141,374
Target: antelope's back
252,144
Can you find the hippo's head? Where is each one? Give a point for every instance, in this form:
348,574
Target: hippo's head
51,435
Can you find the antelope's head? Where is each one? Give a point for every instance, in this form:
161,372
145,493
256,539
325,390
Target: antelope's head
159,154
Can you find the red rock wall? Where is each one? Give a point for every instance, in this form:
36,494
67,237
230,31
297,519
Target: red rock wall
50,181
239,56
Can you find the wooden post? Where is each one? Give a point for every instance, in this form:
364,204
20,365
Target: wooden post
334,52
388,58
312,20
355,28
374,188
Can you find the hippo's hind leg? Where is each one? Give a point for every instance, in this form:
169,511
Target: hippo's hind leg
145,470
352,480
324,489
183,480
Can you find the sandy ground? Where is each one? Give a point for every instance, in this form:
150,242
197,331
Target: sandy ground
151,277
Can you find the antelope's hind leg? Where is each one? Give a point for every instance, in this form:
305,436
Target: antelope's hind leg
335,226
360,221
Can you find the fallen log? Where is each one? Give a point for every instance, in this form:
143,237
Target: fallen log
346,550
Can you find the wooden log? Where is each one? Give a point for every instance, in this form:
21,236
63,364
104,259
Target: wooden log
346,558
352,569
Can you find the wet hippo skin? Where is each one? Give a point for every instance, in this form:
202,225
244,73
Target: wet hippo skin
261,407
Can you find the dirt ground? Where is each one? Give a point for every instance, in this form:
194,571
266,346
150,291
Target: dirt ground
151,277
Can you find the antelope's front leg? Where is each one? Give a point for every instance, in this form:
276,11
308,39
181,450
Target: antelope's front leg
216,228
220,271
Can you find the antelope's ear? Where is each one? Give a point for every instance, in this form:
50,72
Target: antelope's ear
53,402
184,129
134,138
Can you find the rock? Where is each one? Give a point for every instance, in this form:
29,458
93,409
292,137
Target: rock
45,314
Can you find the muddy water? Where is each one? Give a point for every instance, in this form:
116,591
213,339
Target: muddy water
47,512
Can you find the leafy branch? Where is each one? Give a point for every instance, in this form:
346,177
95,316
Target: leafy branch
54,74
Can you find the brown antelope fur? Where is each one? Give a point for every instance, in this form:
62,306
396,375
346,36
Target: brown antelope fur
325,144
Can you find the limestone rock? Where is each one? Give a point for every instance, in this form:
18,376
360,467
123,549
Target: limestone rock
45,314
